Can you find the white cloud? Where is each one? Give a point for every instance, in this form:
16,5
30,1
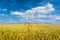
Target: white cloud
3,9
40,16
18,13
37,12
3,15
55,17
42,9
58,18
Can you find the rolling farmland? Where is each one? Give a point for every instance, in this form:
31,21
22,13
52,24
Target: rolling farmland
29,32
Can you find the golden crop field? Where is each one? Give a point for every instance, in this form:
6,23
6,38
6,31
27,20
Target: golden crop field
29,32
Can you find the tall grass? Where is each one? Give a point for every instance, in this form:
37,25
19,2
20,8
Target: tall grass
29,32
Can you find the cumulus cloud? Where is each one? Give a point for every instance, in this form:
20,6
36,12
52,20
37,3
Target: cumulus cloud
34,13
55,17
42,9
17,13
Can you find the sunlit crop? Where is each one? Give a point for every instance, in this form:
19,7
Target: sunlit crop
29,32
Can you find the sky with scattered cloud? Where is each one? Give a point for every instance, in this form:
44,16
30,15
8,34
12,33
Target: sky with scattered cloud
30,11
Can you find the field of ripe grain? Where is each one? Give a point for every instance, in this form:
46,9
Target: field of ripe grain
29,32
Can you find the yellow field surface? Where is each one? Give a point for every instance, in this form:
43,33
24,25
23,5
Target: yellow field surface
29,32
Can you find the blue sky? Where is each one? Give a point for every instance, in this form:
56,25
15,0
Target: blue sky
30,11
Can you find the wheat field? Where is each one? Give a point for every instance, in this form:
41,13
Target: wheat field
29,32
